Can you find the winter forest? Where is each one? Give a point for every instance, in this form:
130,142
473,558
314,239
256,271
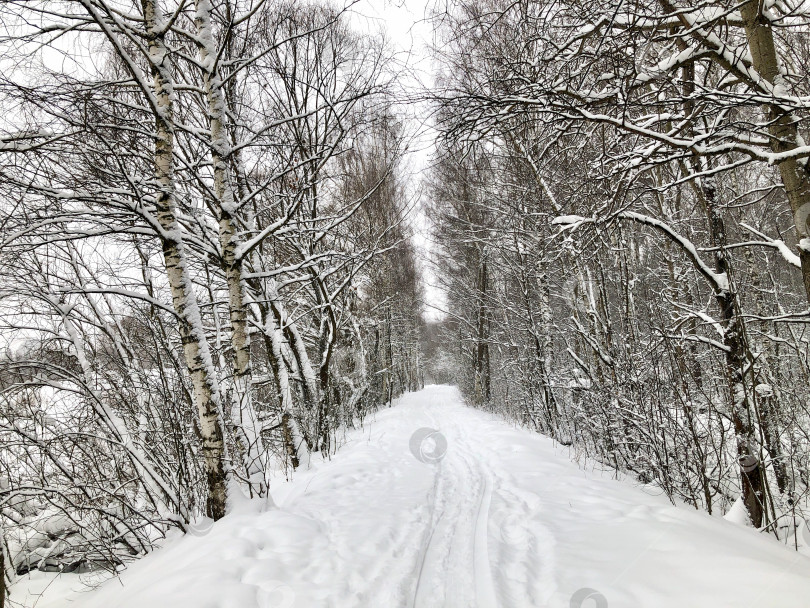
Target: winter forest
248,246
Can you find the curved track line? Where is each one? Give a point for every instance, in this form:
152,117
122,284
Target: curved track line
484,587
433,524
430,530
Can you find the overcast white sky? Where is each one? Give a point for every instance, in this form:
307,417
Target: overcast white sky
406,26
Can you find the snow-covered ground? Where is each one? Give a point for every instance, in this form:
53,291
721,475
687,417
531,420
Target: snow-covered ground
479,514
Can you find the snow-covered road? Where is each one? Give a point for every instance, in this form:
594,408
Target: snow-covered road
478,514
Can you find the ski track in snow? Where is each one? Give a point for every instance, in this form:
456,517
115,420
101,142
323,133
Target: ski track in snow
504,519
455,548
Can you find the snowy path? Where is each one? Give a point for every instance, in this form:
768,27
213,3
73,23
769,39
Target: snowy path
502,519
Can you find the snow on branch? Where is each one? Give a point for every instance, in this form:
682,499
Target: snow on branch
718,280
779,245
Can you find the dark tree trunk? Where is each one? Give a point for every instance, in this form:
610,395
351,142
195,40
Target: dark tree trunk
481,360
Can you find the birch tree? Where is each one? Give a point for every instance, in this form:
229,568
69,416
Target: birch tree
177,193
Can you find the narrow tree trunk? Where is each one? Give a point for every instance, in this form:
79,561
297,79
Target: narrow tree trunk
738,364
243,415
309,381
766,401
3,587
737,355
195,346
782,127
481,359
770,433
296,443
389,357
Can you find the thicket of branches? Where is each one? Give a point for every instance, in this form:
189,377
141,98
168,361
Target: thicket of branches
621,212
202,223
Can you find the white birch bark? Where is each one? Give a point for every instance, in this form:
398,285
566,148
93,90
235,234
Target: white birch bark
243,415
195,345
